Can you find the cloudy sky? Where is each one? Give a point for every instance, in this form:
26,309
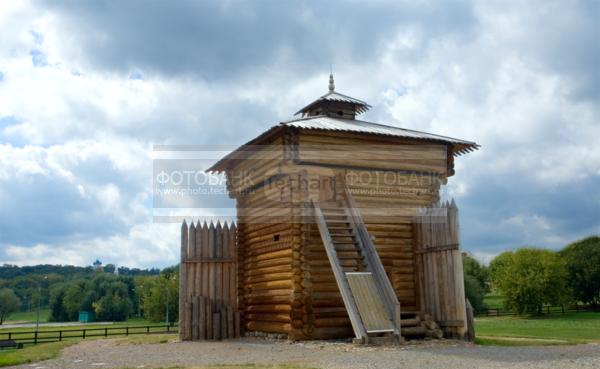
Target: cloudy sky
88,87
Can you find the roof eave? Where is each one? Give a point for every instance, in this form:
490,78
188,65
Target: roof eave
221,165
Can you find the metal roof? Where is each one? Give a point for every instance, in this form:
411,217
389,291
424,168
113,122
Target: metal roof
327,123
360,105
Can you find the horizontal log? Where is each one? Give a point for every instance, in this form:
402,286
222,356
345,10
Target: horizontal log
383,227
405,293
283,318
269,300
374,218
405,248
269,292
332,322
327,299
270,256
322,278
409,277
403,285
197,260
269,247
261,228
270,327
267,235
256,265
271,277
381,241
375,152
413,331
287,267
330,310
283,284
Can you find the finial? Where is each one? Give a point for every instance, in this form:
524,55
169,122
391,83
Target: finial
331,84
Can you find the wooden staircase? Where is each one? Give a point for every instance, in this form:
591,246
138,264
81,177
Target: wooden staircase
368,295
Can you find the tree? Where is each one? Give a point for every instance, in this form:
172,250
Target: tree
474,292
109,268
113,307
9,303
529,278
154,299
583,265
476,277
114,303
478,271
78,296
58,313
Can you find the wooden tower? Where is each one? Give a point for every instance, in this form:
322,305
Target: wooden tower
327,244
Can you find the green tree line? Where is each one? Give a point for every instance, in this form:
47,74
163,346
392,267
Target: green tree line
530,278
32,284
68,290
117,298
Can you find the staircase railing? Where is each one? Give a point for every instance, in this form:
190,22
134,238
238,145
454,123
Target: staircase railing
340,277
387,291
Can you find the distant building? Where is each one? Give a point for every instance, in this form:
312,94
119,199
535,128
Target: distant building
97,265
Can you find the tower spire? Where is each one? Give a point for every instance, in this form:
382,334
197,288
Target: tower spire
331,84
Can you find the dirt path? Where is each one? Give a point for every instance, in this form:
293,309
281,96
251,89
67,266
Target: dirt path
441,354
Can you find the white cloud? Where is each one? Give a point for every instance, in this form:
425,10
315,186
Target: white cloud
80,132
144,245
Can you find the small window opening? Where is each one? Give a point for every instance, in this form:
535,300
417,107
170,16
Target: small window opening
340,113
276,238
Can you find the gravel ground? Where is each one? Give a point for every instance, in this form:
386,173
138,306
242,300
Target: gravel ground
325,355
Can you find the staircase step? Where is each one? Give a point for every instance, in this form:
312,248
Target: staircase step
333,211
342,239
344,232
345,247
337,221
337,227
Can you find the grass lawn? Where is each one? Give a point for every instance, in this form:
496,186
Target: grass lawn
553,329
45,351
33,354
493,300
73,333
27,317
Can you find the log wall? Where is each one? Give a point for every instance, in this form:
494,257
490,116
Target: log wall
266,269
284,281
348,149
